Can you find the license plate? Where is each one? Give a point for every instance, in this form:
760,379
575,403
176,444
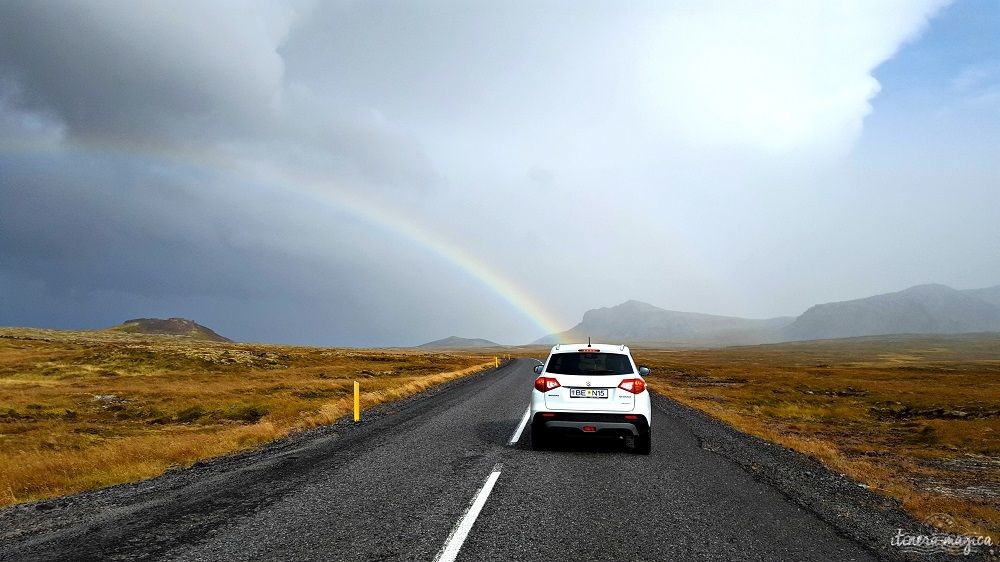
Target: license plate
588,393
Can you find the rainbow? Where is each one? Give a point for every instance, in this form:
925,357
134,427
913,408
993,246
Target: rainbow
334,197
398,224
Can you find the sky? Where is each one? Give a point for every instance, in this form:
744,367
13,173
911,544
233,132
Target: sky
388,173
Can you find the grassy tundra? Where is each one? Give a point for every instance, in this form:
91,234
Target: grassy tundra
80,410
916,418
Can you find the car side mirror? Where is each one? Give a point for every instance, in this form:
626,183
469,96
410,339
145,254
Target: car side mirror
538,369
643,371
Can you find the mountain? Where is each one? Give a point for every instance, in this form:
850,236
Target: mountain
924,309
989,294
169,327
635,321
455,342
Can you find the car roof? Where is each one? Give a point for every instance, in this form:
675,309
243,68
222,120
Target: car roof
601,347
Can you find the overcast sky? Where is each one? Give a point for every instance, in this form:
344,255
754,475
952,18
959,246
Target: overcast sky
388,173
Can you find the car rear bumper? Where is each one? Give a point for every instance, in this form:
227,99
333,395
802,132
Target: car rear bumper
585,422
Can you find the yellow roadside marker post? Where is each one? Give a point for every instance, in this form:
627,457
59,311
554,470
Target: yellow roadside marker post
357,402
497,361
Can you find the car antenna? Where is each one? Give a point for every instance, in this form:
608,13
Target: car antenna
588,342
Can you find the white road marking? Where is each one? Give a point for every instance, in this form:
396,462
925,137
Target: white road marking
520,427
449,551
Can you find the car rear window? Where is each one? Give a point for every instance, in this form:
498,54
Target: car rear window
589,364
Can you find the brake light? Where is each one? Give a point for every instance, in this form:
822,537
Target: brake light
545,384
631,417
589,350
635,386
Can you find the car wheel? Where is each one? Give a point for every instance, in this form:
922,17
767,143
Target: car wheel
539,440
643,444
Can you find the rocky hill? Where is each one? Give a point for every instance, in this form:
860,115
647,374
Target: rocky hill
455,342
169,327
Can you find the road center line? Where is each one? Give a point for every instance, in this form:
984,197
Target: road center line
449,551
520,427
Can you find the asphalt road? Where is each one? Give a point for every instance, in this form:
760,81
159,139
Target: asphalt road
398,486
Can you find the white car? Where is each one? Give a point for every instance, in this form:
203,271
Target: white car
591,389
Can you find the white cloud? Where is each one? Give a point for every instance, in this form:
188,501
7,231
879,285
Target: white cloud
773,75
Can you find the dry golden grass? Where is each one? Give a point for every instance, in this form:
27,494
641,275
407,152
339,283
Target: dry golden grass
80,410
916,418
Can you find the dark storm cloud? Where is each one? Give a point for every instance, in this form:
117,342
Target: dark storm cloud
123,67
102,101
84,224
88,240
190,74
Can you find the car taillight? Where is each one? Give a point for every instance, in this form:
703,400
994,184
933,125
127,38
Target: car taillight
545,384
635,386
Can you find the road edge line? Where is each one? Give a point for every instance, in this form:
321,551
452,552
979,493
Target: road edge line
520,427
456,538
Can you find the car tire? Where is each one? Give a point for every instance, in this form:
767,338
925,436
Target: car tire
539,440
643,444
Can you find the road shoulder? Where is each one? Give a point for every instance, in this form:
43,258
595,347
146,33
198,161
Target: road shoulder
46,520
865,517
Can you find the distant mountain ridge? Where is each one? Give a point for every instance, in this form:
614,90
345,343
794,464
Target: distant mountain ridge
636,321
169,327
923,309
989,294
455,342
